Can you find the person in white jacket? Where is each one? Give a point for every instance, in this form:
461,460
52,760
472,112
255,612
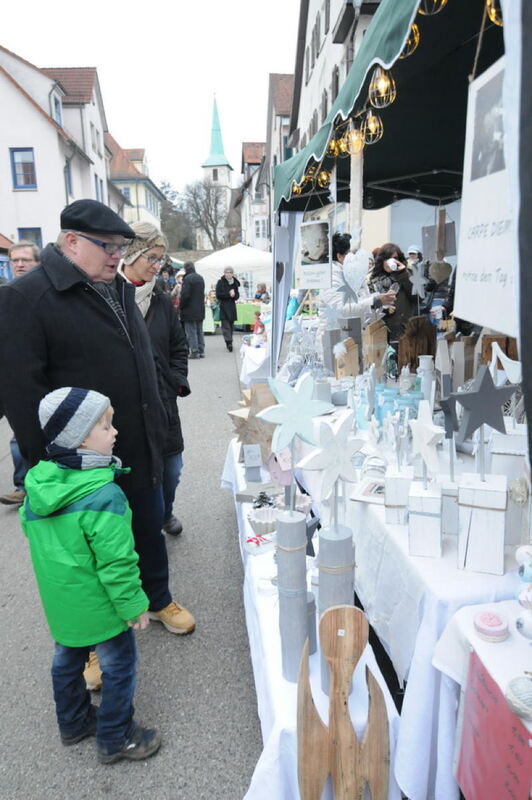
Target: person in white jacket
349,294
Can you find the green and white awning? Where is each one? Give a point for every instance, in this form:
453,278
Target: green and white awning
421,152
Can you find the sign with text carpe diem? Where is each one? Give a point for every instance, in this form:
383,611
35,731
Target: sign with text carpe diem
313,269
486,277
495,761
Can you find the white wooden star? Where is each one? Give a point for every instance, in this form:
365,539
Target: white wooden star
425,436
418,280
294,412
334,454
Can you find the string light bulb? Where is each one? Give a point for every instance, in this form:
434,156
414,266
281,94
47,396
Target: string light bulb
333,147
296,188
323,178
431,7
382,89
372,128
412,42
354,139
493,10
310,175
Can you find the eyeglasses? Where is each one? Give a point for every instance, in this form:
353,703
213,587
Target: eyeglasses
110,248
155,259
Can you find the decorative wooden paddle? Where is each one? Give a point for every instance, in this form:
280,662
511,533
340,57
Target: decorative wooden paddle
335,750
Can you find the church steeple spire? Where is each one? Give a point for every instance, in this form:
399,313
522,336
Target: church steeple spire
217,157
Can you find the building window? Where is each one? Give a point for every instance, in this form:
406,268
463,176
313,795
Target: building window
102,198
257,229
258,194
307,65
68,177
303,141
264,228
327,16
98,142
126,191
324,105
57,110
287,151
215,175
23,168
97,188
335,84
318,34
31,234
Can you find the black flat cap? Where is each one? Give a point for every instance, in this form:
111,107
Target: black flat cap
90,216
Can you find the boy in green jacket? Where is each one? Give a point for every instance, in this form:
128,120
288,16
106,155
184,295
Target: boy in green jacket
78,524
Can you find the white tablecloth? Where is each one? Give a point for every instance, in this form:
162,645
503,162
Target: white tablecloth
275,776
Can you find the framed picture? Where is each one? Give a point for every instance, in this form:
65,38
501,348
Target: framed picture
314,266
369,490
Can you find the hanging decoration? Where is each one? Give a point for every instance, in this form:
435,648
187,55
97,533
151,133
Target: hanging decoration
430,7
372,127
354,139
494,12
310,175
296,188
412,42
382,89
333,147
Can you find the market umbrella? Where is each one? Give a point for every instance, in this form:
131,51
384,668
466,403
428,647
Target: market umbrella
256,265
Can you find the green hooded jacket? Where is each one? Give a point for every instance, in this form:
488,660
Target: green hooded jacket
78,523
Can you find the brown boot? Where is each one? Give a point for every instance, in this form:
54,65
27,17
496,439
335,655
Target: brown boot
14,498
175,618
93,673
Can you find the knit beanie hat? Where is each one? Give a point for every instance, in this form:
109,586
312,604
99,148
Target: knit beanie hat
68,415
146,237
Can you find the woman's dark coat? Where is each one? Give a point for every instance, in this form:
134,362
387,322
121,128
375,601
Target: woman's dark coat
192,298
404,301
170,350
56,330
227,303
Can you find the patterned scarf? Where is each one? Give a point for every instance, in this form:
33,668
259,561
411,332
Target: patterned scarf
83,459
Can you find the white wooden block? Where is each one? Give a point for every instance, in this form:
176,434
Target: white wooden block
507,456
482,511
424,520
458,364
449,505
396,488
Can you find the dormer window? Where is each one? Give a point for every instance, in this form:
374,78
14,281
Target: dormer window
57,110
215,175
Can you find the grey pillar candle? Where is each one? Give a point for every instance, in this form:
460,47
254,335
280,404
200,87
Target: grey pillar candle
311,612
336,561
292,588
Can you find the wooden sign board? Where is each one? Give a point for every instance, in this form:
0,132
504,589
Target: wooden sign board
374,345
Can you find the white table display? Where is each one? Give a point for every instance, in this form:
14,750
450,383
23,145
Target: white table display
424,500
482,498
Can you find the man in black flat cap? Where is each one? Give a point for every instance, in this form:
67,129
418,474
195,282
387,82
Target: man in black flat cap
72,321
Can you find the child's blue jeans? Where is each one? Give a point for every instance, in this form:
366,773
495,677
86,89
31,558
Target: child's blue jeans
114,719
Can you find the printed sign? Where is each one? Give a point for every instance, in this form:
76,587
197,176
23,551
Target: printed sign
486,278
252,455
495,757
314,268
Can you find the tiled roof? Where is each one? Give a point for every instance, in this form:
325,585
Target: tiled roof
282,89
39,108
5,243
78,82
252,152
121,167
135,154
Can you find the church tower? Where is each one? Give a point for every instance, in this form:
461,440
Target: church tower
217,171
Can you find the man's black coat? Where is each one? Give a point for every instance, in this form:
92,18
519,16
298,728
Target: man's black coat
192,298
56,330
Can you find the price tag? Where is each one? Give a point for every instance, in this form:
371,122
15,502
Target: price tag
340,632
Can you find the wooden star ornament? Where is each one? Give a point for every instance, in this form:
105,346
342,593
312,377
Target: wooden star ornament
335,453
482,404
294,412
426,436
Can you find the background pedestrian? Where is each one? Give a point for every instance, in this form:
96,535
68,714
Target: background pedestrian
227,295
192,310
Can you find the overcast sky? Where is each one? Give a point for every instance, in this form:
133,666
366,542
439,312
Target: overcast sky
160,63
